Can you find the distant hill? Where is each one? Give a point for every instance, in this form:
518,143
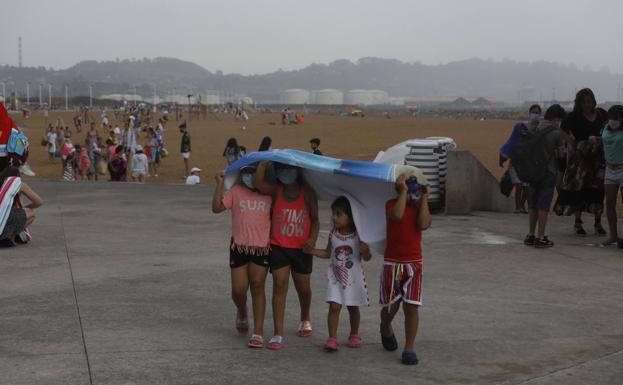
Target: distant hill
508,80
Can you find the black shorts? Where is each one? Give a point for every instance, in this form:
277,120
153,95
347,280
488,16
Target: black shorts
298,261
238,259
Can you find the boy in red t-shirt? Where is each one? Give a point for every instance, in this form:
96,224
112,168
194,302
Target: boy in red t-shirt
401,278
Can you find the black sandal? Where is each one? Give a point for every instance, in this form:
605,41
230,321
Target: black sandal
599,229
389,343
579,230
542,243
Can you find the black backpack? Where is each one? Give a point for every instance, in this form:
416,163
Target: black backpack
530,157
506,184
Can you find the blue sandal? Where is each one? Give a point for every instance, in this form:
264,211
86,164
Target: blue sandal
409,357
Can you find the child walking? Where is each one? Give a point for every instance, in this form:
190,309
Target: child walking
347,282
294,228
249,249
401,277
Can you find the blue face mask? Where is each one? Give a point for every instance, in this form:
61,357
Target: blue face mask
247,179
535,117
614,124
287,176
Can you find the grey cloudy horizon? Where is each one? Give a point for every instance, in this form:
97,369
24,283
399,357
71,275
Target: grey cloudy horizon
256,37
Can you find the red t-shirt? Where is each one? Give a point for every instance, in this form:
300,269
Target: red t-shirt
291,223
404,239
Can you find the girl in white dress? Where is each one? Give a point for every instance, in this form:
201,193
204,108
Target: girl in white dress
347,282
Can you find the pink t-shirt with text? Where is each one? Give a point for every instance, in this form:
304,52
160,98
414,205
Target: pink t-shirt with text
250,219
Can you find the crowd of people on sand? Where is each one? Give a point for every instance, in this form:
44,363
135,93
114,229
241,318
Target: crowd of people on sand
577,155
128,146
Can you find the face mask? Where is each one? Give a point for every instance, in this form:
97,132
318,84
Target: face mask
247,179
287,176
614,124
535,117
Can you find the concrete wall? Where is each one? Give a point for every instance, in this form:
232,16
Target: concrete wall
471,187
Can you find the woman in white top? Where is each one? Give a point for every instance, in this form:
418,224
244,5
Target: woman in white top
51,146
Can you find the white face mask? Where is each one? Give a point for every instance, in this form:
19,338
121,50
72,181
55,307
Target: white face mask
247,179
534,117
614,124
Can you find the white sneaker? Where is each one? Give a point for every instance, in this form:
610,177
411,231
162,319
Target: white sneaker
26,170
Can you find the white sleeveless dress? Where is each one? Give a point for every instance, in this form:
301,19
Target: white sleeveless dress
347,282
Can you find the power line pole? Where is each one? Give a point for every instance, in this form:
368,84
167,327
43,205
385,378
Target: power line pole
28,93
19,44
49,95
66,100
40,98
3,93
90,96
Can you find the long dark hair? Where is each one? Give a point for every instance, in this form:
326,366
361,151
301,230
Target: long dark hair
8,172
232,143
342,204
265,143
579,97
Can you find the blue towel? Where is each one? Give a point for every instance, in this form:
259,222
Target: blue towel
367,185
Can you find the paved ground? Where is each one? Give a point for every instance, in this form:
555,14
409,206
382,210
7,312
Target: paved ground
129,284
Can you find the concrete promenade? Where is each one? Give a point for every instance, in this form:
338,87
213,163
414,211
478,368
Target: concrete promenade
129,284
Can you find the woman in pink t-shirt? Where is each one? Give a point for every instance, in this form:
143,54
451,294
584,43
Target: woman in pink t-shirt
249,249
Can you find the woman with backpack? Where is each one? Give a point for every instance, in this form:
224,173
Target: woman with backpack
520,187
583,180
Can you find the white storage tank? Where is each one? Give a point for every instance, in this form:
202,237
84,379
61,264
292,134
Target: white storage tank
327,97
295,96
379,97
211,100
358,97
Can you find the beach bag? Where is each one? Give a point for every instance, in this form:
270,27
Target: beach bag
164,152
530,157
506,184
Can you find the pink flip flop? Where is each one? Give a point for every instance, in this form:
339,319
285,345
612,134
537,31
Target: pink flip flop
305,329
331,345
354,341
275,343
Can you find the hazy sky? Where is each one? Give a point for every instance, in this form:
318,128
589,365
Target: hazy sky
259,36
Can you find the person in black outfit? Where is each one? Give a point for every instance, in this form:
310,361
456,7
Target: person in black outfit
315,143
265,144
582,186
185,147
